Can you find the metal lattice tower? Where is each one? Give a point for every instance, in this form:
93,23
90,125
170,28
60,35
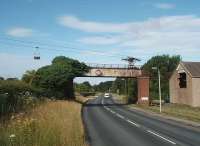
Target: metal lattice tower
131,61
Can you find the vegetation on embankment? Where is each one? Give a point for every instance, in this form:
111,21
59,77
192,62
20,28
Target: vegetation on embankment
81,99
175,110
54,123
16,96
24,122
120,98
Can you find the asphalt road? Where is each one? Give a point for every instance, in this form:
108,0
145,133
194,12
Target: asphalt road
110,124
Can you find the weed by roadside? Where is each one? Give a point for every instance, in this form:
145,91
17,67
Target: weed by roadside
55,123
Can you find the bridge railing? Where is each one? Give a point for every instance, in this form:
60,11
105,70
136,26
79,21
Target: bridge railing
122,66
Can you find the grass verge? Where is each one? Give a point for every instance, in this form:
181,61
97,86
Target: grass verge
54,123
176,110
82,100
120,98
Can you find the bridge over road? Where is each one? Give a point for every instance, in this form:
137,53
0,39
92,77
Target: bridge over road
123,71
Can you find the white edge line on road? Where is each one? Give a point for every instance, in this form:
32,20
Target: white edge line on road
161,137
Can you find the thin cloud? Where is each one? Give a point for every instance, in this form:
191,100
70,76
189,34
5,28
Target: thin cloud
20,32
170,25
165,6
164,34
89,26
99,40
153,24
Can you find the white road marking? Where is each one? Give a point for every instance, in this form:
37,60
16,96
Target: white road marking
161,137
135,124
102,102
131,122
107,108
120,116
112,112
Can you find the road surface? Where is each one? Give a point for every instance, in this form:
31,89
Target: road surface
110,124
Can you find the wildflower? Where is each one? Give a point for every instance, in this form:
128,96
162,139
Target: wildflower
12,117
12,136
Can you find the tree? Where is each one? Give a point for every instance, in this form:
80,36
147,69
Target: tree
103,86
132,90
166,65
1,78
120,86
127,87
57,78
29,76
12,79
83,87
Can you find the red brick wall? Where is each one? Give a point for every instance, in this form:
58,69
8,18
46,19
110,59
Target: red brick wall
143,89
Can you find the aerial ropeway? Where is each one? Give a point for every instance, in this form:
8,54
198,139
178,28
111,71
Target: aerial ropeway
36,54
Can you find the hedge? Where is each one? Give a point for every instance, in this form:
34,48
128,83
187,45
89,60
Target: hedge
16,95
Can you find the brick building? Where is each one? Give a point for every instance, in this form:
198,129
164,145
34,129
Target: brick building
184,84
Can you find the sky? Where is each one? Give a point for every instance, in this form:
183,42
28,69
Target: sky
95,31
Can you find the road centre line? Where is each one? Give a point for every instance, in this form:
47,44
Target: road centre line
112,112
120,116
137,125
161,137
129,121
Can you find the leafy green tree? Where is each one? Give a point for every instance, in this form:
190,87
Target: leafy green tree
132,90
83,87
57,78
126,86
1,78
29,76
166,65
103,86
120,86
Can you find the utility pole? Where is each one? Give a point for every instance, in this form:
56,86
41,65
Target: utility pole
159,87
159,90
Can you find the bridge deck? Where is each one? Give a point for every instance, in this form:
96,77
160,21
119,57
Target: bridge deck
113,66
113,70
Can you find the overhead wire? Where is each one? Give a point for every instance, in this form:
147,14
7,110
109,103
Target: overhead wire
46,46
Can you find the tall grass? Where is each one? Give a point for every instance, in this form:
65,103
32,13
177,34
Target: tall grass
55,123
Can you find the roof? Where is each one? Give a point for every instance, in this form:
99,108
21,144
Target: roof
193,68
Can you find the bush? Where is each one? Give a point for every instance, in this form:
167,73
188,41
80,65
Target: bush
16,95
87,94
3,104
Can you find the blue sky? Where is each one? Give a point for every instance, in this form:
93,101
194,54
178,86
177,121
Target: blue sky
95,31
